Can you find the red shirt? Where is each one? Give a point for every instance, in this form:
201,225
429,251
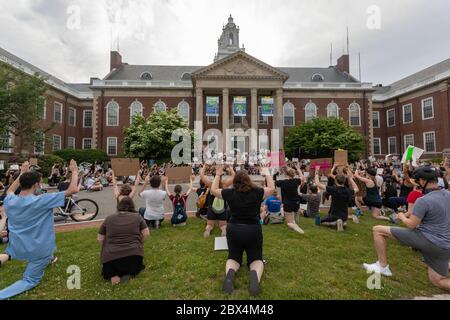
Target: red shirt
413,196
175,199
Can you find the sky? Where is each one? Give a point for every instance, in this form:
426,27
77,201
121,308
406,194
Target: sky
71,39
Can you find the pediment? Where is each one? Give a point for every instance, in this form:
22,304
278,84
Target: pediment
240,65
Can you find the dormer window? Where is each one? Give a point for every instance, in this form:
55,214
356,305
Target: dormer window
317,77
146,76
186,76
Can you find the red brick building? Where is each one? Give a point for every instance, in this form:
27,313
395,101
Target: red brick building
94,114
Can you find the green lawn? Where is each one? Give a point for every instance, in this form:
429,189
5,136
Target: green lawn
181,264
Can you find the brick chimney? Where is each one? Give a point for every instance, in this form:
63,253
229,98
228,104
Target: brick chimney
343,63
115,60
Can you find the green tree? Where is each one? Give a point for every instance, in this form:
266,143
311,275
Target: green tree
321,136
22,101
151,138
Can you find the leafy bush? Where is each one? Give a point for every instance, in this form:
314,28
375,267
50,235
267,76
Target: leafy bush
47,161
86,155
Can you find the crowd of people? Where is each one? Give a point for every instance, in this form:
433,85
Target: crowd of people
416,196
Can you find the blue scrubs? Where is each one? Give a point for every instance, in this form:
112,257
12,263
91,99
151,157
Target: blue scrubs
31,236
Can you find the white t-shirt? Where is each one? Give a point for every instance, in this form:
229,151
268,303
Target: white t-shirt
154,204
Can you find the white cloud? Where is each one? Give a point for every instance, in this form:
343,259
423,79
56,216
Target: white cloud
281,33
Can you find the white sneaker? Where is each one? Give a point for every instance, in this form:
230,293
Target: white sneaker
377,268
340,225
355,219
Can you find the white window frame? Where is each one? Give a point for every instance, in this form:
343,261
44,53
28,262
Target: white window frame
108,145
333,104
412,115
84,142
44,110
389,145
141,109
425,141
423,109
162,103
262,120
408,136
10,143
265,138
291,106
107,114
60,106
43,146
185,105
212,119
387,118
354,104
74,143
53,142
379,119
310,104
84,118
379,143
74,124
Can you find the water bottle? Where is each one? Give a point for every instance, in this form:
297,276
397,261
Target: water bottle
317,219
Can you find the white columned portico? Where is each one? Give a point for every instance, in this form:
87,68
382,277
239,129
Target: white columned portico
226,118
278,119
199,122
254,121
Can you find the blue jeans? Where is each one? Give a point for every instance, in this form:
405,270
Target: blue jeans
31,278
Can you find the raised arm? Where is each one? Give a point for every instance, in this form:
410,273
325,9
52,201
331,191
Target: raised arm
73,187
204,177
269,190
135,185
317,180
15,185
3,219
216,182
229,181
166,186
191,188
369,183
352,182
146,181
114,183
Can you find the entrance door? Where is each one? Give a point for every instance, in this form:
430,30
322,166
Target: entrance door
238,143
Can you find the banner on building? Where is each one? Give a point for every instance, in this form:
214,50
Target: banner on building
212,106
267,106
240,106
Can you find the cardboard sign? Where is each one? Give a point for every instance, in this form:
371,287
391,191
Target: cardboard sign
125,167
33,162
220,244
341,157
325,165
179,174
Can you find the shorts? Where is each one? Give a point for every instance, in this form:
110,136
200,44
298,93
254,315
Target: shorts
245,237
436,258
131,265
291,207
372,204
210,215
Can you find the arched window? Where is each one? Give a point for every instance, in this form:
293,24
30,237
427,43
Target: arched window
289,114
317,77
146,76
136,108
231,40
310,111
183,110
186,76
112,114
332,110
354,113
160,106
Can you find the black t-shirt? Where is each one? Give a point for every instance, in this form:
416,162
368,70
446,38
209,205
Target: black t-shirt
340,199
405,191
289,190
244,207
63,186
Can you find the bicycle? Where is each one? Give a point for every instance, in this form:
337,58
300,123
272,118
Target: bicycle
78,210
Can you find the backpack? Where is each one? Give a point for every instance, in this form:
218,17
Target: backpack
179,214
218,206
201,201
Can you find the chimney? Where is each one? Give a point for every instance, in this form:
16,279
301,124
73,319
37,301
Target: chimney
343,63
115,60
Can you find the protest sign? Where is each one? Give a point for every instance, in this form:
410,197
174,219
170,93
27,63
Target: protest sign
325,165
220,244
124,167
341,157
179,174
